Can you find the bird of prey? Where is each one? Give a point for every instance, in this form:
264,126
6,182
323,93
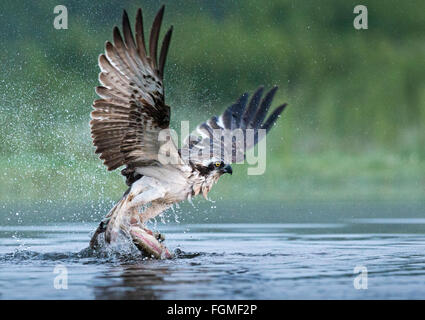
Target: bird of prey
130,127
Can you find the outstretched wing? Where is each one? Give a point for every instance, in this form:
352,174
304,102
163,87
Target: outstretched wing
127,119
228,136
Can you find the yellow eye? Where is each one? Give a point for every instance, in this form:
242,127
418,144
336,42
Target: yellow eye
217,164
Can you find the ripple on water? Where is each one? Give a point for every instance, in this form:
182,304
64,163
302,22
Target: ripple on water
218,262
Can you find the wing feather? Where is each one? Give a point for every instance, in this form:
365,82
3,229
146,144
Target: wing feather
128,118
222,132
252,107
164,50
273,117
263,109
153,40
140,37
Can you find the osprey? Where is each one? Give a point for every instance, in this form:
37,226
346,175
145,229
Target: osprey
130,127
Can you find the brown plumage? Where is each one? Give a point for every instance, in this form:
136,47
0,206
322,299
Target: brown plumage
131,112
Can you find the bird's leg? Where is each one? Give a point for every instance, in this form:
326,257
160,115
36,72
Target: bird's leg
146,240
124,211
125,217
134,213
135,221
136,201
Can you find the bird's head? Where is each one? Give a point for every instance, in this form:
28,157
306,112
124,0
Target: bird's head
219,168
213,169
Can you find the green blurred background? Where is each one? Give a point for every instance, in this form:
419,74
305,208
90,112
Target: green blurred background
354,129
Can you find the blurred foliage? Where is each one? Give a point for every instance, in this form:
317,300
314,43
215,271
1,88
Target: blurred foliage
356,97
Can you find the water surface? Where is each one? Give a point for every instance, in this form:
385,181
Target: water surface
222,261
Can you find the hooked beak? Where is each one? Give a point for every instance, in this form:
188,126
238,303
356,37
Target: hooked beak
227,169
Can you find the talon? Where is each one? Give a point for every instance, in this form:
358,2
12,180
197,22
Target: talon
103,224
159,236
